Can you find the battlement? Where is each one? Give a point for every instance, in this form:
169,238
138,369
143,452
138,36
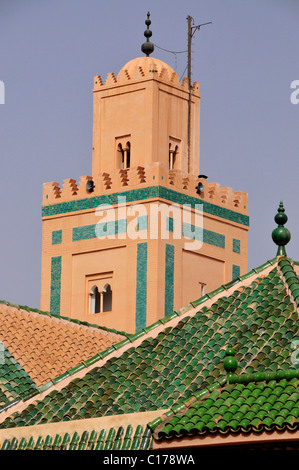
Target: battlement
144,68
134,178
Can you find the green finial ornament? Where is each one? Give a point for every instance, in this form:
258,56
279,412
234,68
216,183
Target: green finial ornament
147,47
281,235
230,362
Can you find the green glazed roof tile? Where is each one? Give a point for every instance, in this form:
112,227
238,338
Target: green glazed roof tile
184,359
234,414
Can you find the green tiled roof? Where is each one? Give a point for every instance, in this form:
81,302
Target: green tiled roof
260,321
15,383
119,438
254,402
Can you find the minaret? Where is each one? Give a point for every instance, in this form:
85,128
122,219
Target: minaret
141,236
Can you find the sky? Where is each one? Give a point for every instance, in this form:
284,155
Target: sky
50,51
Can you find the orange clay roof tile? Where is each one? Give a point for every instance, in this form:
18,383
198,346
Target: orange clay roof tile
46,346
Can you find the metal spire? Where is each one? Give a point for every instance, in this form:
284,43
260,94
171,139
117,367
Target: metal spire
147,47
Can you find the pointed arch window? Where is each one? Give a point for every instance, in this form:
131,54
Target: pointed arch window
107,298
100,301
95,300
123,156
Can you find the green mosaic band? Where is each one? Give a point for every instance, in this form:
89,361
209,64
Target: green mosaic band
141,286
169,279
204,235
236,246
56,237
102,229
55,285
236,271
141,194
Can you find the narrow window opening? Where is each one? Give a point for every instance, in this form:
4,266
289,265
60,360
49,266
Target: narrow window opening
202,289
95,300
172,157
107,298
128,150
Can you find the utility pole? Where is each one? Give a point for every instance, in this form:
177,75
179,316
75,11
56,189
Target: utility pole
189,88
191,31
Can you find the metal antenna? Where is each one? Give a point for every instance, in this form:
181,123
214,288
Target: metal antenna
191,31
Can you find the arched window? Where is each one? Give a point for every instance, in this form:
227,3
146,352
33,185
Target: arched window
100,301
128,151
124,156
95,300
107,298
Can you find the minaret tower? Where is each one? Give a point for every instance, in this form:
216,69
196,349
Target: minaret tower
143,235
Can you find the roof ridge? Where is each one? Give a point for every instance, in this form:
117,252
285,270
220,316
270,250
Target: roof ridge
257,377
183,406
60,317
290,278
131,338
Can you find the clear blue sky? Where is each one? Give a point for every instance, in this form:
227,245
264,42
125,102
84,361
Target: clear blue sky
50,51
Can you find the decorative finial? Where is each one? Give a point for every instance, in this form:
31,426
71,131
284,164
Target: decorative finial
230,362
147,47
281,235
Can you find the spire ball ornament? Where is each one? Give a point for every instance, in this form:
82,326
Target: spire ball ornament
147,47
281,235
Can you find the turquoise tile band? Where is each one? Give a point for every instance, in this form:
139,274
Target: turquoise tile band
169,279
141,194
141,286
236,245
56,237
204,235
236,271
104,229
55,285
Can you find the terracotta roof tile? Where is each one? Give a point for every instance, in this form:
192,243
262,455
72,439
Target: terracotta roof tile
45,346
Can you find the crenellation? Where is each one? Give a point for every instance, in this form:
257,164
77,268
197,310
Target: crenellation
141,174
156,174
213,192
51,192
123,76
82,191
226,195
110,80
175,79
98,80
164,75
69,188
185,83
118,178
138,72
107,180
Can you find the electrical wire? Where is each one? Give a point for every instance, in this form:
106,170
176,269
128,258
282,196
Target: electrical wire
174,53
